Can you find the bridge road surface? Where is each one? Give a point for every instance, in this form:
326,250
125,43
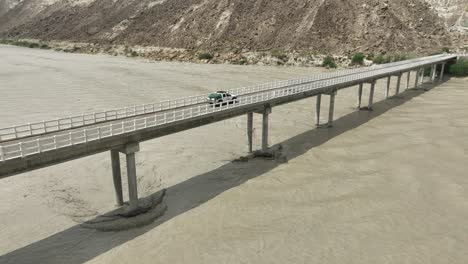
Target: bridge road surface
86,120
29,153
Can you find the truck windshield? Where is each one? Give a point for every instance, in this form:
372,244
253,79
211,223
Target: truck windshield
214,96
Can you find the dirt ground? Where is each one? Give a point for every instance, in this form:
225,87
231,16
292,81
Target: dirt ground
387,186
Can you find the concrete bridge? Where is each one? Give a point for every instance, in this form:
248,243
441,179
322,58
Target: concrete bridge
32,146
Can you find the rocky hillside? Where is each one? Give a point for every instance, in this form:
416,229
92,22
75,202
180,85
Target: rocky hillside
321,26
454,12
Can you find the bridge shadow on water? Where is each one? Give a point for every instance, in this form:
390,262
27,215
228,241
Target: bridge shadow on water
78,245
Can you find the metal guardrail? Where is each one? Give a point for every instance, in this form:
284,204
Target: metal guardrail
80,136
56,125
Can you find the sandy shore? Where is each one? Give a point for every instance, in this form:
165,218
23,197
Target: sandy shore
387,186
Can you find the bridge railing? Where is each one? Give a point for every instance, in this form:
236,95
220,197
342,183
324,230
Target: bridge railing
38,128
80,136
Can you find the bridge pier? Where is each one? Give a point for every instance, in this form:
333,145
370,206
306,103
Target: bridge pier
442,72
422,75
250,131
266,114
130,150
388,86
398,84
371,96
318,106
433,72
117,177
416,81
408,76
359,100
331,109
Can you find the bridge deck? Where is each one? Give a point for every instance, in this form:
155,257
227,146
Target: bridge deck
31,149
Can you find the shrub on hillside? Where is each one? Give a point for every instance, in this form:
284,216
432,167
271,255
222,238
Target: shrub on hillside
278,54
445,50
358,58
205,56
460,68
379,59
329,62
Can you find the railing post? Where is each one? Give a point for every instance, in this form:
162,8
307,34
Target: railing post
359,100
55,142
38,145
318,106
21,149
250,131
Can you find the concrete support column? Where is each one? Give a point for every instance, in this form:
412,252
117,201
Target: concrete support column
416,82
250,131
130,150
371,96
398,85
359,100
442,72
266,114
331,109
408,76
388,86
318,106
422,75
433,72
117,176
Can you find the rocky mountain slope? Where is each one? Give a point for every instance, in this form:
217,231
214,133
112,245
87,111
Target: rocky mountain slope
322,26
454,12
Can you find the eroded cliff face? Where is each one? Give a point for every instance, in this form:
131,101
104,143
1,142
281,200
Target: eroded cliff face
324,26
